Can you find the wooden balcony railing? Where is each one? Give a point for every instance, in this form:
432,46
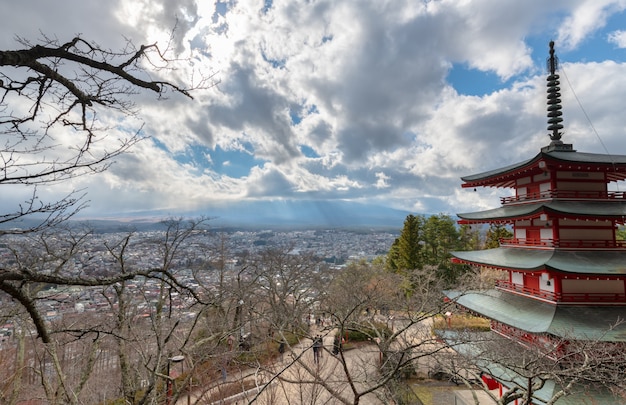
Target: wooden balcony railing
605,298
561,194
512,332
509,286
565,243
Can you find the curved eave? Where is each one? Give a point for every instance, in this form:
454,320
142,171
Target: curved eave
504,176
578,394
567,209
611,262
534,316
614,166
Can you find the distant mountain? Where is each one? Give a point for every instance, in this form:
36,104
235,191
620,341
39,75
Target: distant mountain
297,213
256,215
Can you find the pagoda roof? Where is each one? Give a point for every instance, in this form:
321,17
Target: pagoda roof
580,209
577,394
615,165
594,262
580,322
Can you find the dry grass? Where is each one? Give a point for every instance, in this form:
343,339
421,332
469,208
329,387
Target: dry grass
427,394
462,322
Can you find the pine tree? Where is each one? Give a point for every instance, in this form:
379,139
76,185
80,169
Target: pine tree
427,242
410,243
495,233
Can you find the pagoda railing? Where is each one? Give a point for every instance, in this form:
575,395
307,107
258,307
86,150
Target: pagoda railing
562,297
535,292
511,332
592,297
553,348
563,194
564,243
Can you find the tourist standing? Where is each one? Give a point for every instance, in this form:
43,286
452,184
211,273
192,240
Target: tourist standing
336,345
281,350
317,348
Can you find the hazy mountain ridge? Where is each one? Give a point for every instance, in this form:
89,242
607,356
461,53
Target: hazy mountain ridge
310,213
253,215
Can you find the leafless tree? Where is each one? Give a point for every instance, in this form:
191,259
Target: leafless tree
533,368
53,98
149,312
395,332
288,283
541,370
184,303
53,90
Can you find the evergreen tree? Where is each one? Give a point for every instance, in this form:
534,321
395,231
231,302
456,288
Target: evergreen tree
428,242
393,256
469,238
440,237
495,233
406,251
620,233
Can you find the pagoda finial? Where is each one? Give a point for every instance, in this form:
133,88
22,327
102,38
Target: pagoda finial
554,102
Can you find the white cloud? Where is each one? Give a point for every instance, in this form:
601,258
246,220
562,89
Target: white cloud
618,38
367,82
585,18
381,181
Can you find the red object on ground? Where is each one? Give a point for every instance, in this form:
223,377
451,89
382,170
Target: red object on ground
491,383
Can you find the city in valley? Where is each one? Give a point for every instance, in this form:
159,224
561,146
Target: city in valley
332,247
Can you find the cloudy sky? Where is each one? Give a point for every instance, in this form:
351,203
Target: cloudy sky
384,102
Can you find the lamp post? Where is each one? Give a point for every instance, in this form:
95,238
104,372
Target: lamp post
168,385
240,308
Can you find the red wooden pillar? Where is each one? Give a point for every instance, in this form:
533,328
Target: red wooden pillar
557,287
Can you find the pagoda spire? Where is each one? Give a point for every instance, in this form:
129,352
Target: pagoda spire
554,105
554,102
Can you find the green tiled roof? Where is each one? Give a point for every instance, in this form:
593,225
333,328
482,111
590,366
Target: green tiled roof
581,209
608,262
579,395
578,322
582,157
573,157
501,170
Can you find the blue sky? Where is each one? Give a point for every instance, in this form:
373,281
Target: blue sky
382,102
596,47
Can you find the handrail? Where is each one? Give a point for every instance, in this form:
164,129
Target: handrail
507,285
565,194
562,297
564,243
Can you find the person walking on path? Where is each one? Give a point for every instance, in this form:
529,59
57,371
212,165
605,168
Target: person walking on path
317,349
320,340
336,345
281,350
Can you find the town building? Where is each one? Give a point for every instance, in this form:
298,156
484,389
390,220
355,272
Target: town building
564,268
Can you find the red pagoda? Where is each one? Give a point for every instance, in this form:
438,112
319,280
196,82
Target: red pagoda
565,270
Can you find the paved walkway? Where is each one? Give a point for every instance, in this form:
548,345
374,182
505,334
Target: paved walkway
298,380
